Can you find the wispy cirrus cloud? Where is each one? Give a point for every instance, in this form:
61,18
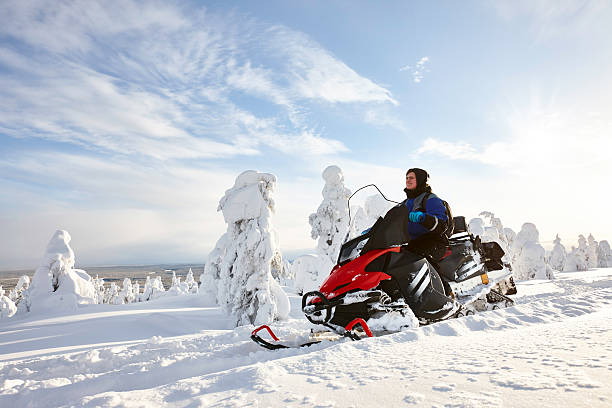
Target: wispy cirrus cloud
418,71
164,80
553,18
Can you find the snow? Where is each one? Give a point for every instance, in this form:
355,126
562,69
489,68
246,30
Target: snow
76,344
553,348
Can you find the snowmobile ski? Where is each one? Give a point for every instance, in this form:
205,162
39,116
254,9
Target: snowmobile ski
350,331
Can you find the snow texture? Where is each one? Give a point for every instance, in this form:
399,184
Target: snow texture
552,349
56,284
239,271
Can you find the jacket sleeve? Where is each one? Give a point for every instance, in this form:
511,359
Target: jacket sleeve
435,215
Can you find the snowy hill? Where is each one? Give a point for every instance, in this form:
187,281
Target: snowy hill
553,348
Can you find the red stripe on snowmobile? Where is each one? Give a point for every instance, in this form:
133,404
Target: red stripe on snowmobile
360,322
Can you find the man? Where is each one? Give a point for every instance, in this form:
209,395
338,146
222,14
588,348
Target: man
428,219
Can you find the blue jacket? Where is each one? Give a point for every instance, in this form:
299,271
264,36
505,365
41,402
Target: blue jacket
435,218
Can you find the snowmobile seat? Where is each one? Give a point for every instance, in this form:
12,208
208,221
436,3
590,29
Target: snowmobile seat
460,225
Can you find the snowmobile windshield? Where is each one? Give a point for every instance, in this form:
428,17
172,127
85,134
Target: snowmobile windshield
352,249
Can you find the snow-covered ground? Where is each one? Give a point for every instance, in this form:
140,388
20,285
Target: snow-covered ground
553,348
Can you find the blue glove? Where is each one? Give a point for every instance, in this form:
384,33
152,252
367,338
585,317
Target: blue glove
416,216
365,231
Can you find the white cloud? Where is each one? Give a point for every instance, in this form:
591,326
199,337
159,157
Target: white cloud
159,80
418,71
384,117
314,73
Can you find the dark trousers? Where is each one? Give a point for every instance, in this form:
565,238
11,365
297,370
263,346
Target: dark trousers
433,248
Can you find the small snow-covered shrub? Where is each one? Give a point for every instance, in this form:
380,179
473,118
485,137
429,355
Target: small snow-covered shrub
56,284
127,291
113,297
7,306
153,289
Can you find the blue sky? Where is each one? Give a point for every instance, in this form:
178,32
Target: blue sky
124,122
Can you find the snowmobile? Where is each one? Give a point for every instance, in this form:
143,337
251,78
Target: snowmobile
377,274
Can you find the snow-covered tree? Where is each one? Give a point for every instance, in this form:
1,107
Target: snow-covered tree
309,270
529,256
7,306
580,256
558,255
98,284
510,236
592,250
127,291
16,294
238,271
604,255
476,227
493,231
330,227
330,223
178,287
192,285
153,289
136,291
113,297
56,284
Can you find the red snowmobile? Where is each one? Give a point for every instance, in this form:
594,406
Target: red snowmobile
376,274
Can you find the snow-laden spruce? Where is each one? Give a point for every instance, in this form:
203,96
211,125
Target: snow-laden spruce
153,289
604,255
329,226
577,259
239,271
529,257
330,223
558,255
523,250
7,306
56,284
592,251
185,287
16,294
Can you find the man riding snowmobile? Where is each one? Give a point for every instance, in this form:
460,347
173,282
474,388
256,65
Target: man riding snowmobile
401,266
428,221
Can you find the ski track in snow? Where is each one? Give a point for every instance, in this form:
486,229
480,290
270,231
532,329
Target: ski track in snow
553,348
